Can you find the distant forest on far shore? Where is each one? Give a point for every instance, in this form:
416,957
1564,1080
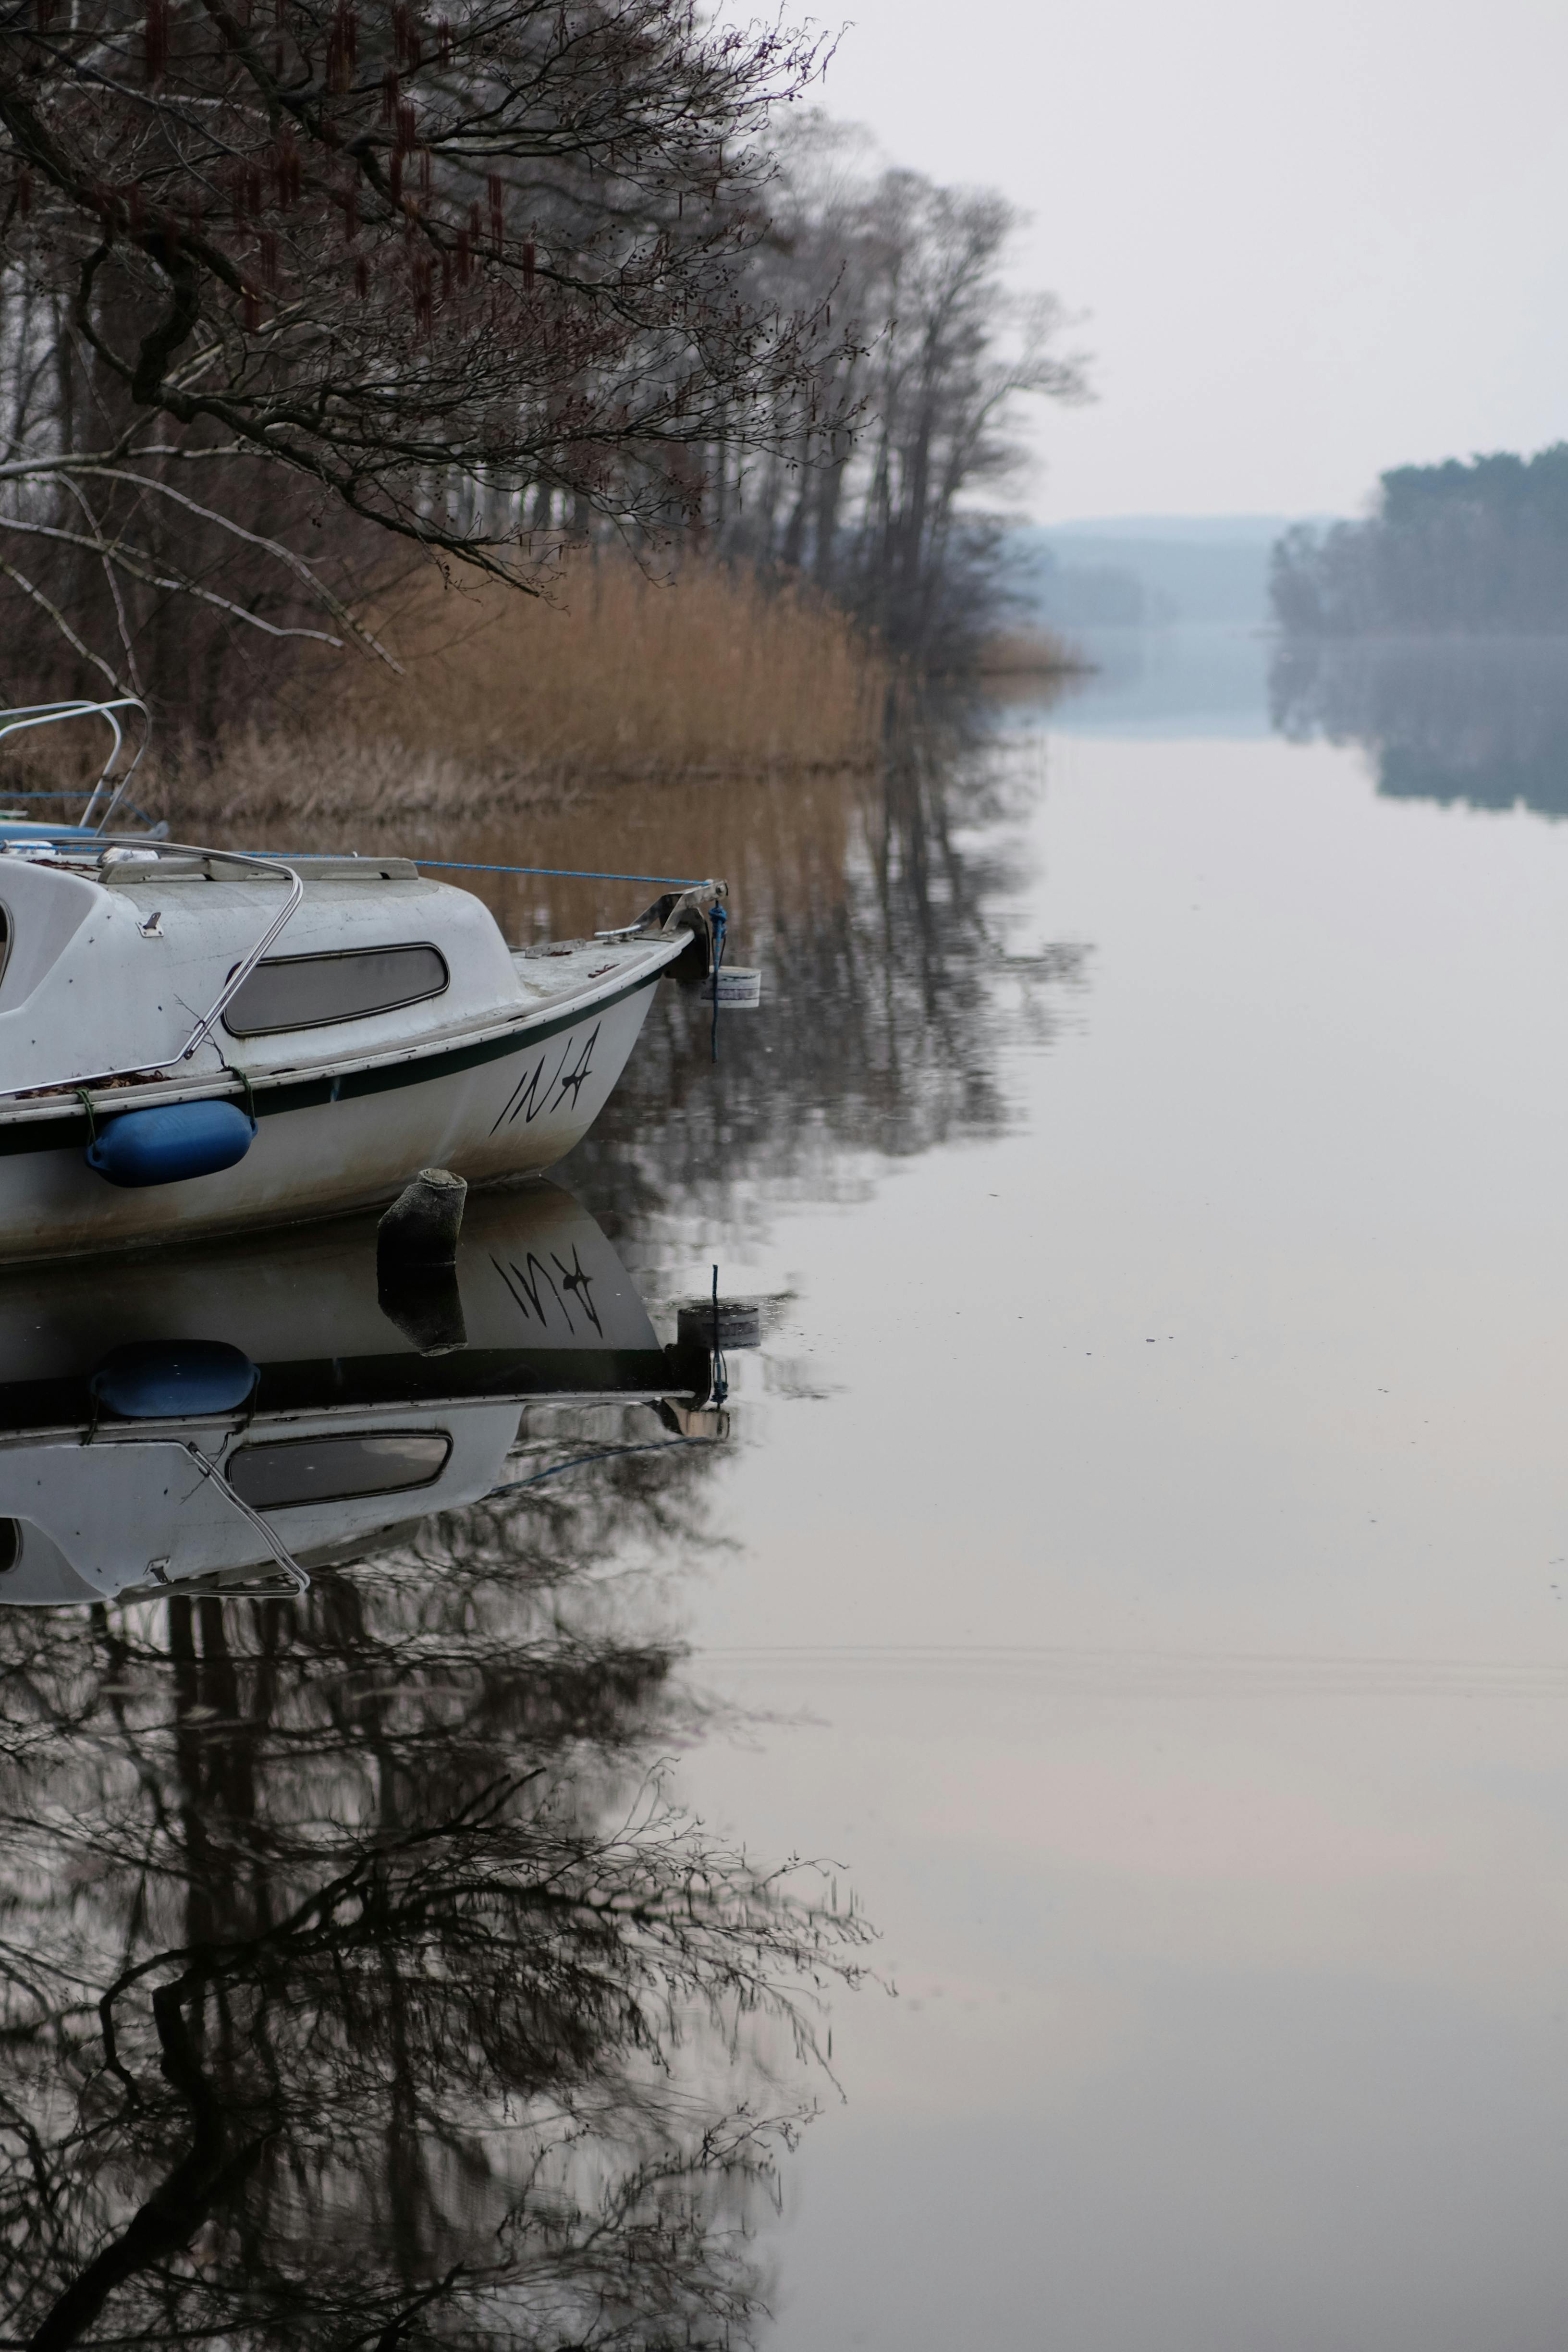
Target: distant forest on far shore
1477,548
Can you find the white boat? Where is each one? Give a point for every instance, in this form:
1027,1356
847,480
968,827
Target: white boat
196,1041
229,1417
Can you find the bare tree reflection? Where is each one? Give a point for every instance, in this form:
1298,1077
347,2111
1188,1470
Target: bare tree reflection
889,992
874,904
361,1988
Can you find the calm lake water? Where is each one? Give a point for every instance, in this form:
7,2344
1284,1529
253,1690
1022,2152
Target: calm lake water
1132,1565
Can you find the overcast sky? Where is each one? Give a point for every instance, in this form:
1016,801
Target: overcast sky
1313,240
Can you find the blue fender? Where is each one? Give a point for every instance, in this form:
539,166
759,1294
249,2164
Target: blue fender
170,1145
173,1379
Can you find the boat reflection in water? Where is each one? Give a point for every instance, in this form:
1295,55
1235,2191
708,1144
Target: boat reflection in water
217,1416
359,1985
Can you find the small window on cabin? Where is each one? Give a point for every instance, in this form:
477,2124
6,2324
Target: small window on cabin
10,1546
311,991
296,1471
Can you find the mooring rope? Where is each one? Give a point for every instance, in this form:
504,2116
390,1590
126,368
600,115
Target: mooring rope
720,922
562,873
549,873
446,864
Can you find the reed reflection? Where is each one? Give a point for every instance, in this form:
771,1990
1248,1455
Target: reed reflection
1477,722
874,904
360,1989
360,1986
890,988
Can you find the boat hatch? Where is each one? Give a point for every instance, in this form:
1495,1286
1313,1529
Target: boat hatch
299,1470
311,991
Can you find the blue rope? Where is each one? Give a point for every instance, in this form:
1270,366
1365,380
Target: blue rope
444,864
563,873
720,921
466,866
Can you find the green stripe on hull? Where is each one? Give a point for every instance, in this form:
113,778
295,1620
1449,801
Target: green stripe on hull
339,1386
270,1097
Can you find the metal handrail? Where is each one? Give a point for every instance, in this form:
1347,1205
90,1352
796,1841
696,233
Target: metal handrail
285,1559
209,1469
49,714
231,986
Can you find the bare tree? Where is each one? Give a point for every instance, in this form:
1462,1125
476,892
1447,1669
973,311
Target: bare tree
907,429
470,279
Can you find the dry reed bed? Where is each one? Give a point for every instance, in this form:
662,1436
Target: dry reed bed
510,702
782,842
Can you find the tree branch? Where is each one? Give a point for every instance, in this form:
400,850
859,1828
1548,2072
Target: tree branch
28,588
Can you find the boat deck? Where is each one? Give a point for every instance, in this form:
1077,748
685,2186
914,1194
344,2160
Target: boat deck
559,969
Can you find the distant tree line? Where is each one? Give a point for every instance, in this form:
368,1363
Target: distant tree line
1478,548
283,293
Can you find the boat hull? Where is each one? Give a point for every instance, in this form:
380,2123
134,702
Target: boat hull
108,1411
500,1106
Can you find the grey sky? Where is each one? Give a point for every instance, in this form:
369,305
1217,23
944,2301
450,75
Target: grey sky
1313,241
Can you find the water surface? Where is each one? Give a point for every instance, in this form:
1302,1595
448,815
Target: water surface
1132,1566
1171,1574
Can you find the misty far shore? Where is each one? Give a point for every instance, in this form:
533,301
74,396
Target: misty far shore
1466,549
1474,548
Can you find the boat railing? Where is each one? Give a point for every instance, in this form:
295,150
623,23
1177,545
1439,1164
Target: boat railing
28,715
298,1581
235,980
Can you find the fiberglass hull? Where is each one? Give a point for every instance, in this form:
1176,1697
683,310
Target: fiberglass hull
286,1363
500,1104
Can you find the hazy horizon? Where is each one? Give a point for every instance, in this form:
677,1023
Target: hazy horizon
1218,528
1309,246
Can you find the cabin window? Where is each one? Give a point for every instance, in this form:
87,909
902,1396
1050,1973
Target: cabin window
10,1546
295,1471
308,992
